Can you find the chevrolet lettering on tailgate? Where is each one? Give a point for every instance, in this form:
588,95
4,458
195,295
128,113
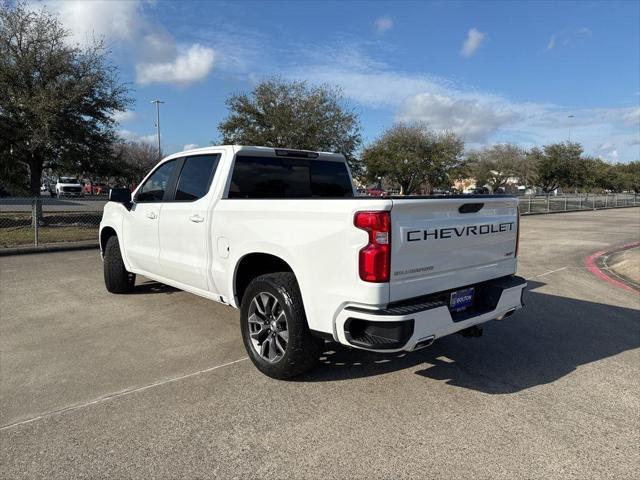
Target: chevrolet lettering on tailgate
451,232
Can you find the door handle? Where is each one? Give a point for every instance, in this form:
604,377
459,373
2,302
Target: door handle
152,215
196,218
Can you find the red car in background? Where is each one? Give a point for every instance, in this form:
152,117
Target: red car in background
97,188
376,192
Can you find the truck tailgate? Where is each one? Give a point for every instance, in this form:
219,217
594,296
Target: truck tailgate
444,243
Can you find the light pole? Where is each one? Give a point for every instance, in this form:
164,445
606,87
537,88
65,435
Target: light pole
570,117
158,102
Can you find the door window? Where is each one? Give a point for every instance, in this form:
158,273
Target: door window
195,177
154,188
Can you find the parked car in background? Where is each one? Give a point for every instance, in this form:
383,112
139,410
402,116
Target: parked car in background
376,192
68,186
439,192
96,188
100,189
48,187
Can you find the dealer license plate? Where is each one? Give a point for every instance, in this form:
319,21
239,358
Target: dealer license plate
461,299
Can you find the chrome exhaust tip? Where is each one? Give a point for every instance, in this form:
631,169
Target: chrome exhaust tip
507,314
424,342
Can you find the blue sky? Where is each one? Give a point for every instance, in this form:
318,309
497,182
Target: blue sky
491,72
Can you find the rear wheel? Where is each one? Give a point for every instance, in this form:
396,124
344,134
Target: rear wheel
116,277
274,327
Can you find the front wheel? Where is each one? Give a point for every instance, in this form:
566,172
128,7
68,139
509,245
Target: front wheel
116,277
274,327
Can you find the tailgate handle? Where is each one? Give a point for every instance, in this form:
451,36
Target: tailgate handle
470,207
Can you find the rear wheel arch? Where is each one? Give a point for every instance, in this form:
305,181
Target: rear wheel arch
253,265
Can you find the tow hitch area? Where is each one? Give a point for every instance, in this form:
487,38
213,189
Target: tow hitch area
474,331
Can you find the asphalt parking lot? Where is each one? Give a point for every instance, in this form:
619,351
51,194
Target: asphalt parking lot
156,384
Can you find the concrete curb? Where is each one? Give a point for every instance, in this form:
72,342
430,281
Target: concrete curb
596,264
51,247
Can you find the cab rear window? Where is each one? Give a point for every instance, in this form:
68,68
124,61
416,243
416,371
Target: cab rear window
278,177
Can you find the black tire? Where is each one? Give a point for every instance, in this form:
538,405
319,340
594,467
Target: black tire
116,278
302,348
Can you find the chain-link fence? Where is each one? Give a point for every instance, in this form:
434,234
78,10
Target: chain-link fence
45,220
567,203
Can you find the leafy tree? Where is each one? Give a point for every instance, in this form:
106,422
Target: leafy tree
410,155
630,176
594,174
557,165
495,165
279,113
56,99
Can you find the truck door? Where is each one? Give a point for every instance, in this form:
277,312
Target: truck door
140,224
185,224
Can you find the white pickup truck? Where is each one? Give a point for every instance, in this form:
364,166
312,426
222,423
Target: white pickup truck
281,235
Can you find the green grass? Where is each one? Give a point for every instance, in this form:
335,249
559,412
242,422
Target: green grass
14,237
57,227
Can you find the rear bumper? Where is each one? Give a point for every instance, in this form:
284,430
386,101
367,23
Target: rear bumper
416,323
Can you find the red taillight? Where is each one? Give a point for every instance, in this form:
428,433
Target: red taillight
518,233
375,258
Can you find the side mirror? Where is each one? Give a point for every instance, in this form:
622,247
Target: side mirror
120,195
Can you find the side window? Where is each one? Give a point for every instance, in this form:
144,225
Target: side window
153,189
330,180
195,177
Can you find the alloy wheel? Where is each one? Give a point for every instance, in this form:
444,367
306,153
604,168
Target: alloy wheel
268,327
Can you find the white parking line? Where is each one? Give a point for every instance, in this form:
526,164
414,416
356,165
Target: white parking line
122,393
549,272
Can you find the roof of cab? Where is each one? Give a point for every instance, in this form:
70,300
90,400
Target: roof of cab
252,149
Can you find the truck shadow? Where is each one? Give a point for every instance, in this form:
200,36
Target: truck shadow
151,286
545,341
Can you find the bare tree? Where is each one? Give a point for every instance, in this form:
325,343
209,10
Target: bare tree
131,161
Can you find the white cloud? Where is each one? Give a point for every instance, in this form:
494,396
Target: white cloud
157,56
608,151
552,43
189,66
190,146
157,46
134,137
632,117
88,21
481,117
472,119
568,37
474,39
383,24
124,116
374,89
